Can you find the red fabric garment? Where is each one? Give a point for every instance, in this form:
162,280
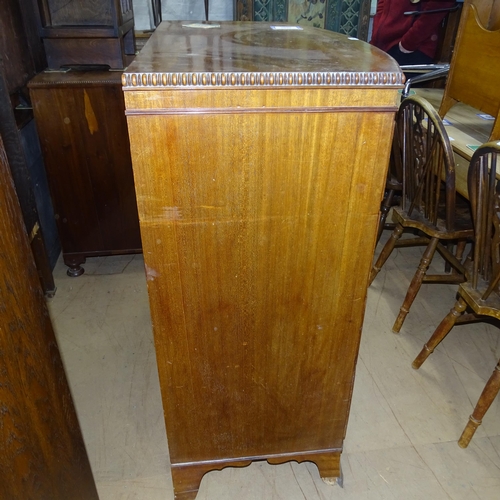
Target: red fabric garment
391,26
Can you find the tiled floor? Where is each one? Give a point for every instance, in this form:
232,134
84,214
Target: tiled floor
404,424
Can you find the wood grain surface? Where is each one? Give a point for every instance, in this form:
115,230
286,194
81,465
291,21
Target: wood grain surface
42,454
473,77
84,139
258,211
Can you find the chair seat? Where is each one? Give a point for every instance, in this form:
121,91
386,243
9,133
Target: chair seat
489,307
463,224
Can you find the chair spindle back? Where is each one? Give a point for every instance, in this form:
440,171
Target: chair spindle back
484,195
427,159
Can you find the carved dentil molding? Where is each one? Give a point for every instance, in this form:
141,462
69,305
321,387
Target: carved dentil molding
271,79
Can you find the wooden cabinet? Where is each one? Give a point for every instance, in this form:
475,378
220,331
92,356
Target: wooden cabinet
83,133
87,33
21,56
260,157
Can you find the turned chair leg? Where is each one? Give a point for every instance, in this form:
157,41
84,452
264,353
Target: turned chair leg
489,393
386,251
459,253
384,211
415,284
441,331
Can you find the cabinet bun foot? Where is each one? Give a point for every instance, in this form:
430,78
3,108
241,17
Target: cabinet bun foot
74,272
334,481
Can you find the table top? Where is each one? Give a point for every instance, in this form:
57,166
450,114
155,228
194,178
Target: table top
467,127
257,53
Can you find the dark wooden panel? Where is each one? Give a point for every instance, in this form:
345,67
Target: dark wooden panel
38,180
83,131
14,47
90,32
24,186
88,51
78,13
42,454
32,24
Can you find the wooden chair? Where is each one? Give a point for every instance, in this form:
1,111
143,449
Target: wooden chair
481,292
393,186
428,201
474,78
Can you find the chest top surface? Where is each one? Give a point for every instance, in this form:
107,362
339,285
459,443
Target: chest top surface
184,54
84,79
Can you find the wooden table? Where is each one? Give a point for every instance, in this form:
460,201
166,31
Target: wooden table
465,127
260,158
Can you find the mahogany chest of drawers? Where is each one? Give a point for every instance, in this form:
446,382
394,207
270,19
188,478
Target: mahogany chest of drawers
260,155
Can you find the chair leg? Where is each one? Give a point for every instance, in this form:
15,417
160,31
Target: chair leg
384,211
442,330
458,254
461,244
415,284
386,251
489,393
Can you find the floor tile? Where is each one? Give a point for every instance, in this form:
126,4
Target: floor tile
472,473
404,424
